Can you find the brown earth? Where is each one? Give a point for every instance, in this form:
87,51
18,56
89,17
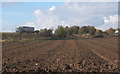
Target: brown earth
83,55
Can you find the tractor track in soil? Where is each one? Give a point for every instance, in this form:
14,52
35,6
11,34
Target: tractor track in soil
16,44
26,49
106,45
103,52
53,47
111,41
91,59
21,44
40,55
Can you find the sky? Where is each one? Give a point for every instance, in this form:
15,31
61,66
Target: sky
102,15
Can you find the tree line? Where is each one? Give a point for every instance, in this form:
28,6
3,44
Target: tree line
75,30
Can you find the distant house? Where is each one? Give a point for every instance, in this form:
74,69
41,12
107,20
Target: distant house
25,29
117,32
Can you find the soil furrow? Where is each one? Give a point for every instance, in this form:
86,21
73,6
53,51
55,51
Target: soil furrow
83,55
103,52
106,45
26,50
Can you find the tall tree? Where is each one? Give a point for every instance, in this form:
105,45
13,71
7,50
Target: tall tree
75,29
87,30
83,30
91,29
60,32
110,31
46,32
99,32
68,30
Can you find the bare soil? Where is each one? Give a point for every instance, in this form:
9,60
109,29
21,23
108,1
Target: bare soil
81,55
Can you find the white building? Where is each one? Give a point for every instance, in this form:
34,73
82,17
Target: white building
25,29
117,32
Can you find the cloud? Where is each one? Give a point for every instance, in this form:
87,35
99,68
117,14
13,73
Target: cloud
52,8
111,19
77,13
110,22
29,24
37,12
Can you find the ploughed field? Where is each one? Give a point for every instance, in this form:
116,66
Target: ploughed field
80,55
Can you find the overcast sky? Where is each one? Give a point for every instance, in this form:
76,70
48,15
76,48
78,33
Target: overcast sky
102,15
